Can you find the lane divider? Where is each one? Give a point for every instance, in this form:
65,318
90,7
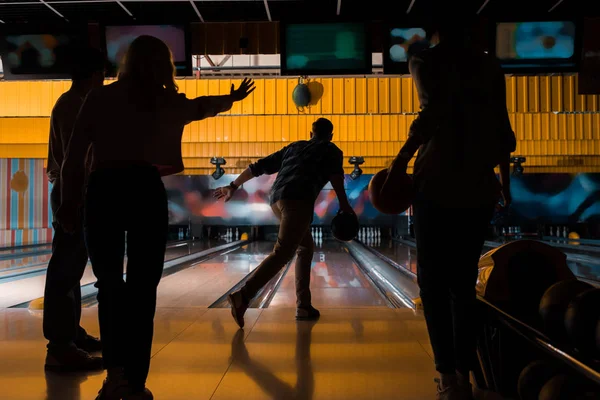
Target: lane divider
170,267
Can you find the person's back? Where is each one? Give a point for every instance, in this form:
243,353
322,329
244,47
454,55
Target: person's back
122,129
465,90
305,169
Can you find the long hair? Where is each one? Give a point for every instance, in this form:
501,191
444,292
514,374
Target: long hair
148,66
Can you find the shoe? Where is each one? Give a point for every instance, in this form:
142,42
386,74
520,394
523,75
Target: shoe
115,386
238,307
145,394
447,389
69,358
89,344
307,313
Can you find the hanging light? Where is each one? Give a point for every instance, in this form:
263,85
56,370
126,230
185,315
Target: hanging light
518,165
217,162
357,162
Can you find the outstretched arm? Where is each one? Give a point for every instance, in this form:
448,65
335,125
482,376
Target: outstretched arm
268,165
209,106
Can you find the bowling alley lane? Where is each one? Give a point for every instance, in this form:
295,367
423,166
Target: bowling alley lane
202,284
336,282
17,290
22,251
400,253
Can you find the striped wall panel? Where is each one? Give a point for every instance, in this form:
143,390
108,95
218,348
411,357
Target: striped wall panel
24,195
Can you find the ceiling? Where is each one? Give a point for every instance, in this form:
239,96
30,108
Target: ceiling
171,11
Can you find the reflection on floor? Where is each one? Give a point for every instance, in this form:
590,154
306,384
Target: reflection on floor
367,353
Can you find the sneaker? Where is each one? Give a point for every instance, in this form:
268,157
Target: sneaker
70,359
89,344
145,394
115,386
238,307
448,390
307,313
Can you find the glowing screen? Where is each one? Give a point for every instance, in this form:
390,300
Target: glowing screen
336,47
533,43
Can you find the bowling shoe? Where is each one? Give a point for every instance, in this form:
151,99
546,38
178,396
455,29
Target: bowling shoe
69,358
89,343
239,305
307,313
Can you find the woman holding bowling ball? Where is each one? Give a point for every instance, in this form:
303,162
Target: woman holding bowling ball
133,128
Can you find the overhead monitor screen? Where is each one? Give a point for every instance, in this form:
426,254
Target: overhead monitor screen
118,39
534,45
325,48
36,56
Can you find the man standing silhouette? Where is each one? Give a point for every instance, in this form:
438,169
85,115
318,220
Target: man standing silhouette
69,344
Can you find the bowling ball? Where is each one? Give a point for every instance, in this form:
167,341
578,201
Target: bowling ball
574,235
397,196
554,304
244,236
564,387
344,226
581,319
533,378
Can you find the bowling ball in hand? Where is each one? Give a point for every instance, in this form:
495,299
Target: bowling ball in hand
344,226
396,196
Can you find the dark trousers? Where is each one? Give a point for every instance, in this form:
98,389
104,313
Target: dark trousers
127,204
62,293
294,236
449,244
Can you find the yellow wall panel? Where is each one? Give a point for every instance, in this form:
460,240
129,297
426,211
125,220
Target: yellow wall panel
371,115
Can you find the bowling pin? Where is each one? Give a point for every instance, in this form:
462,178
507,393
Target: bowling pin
551,231
321,233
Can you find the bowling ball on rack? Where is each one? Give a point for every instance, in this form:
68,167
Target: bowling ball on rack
533,378
344,226
397,195
554,304
581,319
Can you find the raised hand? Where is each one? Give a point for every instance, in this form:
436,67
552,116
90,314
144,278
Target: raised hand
224,193
246,87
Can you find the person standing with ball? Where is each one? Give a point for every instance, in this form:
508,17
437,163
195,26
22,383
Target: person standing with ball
462,133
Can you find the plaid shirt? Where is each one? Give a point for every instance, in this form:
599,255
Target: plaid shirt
303,168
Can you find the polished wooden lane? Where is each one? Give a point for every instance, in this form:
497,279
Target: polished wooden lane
202,284
26,289
336,282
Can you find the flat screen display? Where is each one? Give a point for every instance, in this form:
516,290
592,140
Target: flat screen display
118,39
28,56
399,43
325,48
549,45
